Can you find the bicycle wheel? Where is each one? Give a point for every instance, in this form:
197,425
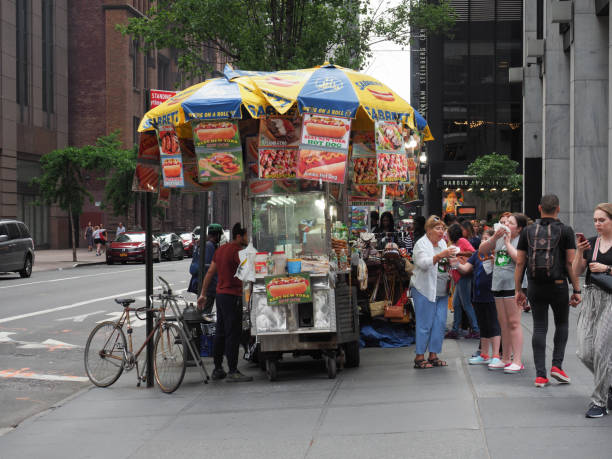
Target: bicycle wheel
169,362
104,354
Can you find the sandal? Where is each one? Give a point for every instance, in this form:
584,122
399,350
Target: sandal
437,362
422,364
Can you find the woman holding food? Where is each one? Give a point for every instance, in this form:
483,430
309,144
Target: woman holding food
504,243
429,291
595,316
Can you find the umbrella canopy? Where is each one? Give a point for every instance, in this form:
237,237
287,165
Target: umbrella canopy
422,126
217,98
327,90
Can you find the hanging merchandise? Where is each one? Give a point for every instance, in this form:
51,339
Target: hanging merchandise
219,151
391,161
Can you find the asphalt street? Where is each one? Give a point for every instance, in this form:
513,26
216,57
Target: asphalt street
44,324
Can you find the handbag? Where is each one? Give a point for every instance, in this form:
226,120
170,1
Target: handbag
601,280
396,311
377,308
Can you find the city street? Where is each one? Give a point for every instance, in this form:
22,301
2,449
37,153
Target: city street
384,408
44,324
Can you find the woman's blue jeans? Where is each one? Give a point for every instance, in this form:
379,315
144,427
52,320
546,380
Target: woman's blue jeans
462,299
430,322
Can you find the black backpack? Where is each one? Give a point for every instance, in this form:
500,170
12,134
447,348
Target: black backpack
544,262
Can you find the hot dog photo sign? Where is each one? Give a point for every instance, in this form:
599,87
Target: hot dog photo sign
170,158
326,132
221,134
294,288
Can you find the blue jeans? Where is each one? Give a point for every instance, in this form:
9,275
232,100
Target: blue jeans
463,300
430,322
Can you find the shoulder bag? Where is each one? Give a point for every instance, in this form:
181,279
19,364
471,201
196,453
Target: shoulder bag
601,280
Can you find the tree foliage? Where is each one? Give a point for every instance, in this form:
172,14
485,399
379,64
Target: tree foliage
63,178
281,34
497,174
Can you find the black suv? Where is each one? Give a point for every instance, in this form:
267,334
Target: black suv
16,248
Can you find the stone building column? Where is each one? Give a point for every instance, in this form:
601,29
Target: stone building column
609,110
532,116
588,114
556,115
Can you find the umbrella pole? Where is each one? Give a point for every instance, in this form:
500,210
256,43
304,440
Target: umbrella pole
203,236
149,283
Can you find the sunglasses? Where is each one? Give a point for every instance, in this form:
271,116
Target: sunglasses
436,219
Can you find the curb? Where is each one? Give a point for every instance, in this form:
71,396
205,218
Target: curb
93,263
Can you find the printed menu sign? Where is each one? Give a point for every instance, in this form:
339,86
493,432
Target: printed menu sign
218,150
294,288
324,149
391,160
277,131
327,166
220,166
170,157
146,176
277,163
326,132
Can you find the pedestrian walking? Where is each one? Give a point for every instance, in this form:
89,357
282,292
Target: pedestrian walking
98,238
89,236
595,316
120,230
504,243
484,305
430,283
546,250
462,298
225,262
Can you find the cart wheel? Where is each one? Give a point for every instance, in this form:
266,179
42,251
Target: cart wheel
330,364
351,351
271,369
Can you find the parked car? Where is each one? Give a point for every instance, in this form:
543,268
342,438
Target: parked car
16,248
130,246
171,246
188,243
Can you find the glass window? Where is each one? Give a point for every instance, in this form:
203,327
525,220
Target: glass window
3,230
13,231
455,71
131,237
25,232
47,57
294,224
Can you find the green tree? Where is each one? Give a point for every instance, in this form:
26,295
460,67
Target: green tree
497,175
62,180
281,34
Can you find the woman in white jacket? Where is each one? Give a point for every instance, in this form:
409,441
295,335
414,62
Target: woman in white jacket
430,281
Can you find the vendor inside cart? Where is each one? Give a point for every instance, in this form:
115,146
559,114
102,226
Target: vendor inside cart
385,231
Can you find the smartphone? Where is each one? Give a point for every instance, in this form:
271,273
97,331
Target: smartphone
580,237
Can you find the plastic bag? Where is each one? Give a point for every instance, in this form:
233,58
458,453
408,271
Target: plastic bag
246,268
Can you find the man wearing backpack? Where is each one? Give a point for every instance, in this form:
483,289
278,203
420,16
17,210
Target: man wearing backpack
546,249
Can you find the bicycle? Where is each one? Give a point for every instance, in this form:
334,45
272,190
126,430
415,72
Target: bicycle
108,353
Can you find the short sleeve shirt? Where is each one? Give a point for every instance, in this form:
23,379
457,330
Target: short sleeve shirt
567,242
443,275
227,260
481,291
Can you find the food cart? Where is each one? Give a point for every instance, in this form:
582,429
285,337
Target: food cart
287,136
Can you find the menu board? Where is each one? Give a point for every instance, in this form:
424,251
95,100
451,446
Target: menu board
365,193
294,288
146,175
170,157
391,161
277,163
326,132
280,131
324,149
218,150
327,166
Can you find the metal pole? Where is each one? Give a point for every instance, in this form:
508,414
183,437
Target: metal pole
203,235
149,283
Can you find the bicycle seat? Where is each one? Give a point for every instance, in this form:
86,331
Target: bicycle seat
125,302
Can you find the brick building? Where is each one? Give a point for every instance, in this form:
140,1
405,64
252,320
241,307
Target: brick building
68,77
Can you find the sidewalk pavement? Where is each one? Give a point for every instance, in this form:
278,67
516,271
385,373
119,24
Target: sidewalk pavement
49,260
385,409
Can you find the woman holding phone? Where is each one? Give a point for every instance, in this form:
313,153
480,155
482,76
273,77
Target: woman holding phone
504,243
595,316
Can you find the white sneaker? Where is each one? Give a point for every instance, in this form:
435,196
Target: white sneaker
496,364
513,368
478,360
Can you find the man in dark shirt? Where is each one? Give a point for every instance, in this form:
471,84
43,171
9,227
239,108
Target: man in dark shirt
553,292
229,305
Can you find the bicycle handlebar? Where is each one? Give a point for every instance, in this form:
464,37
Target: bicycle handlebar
165,282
